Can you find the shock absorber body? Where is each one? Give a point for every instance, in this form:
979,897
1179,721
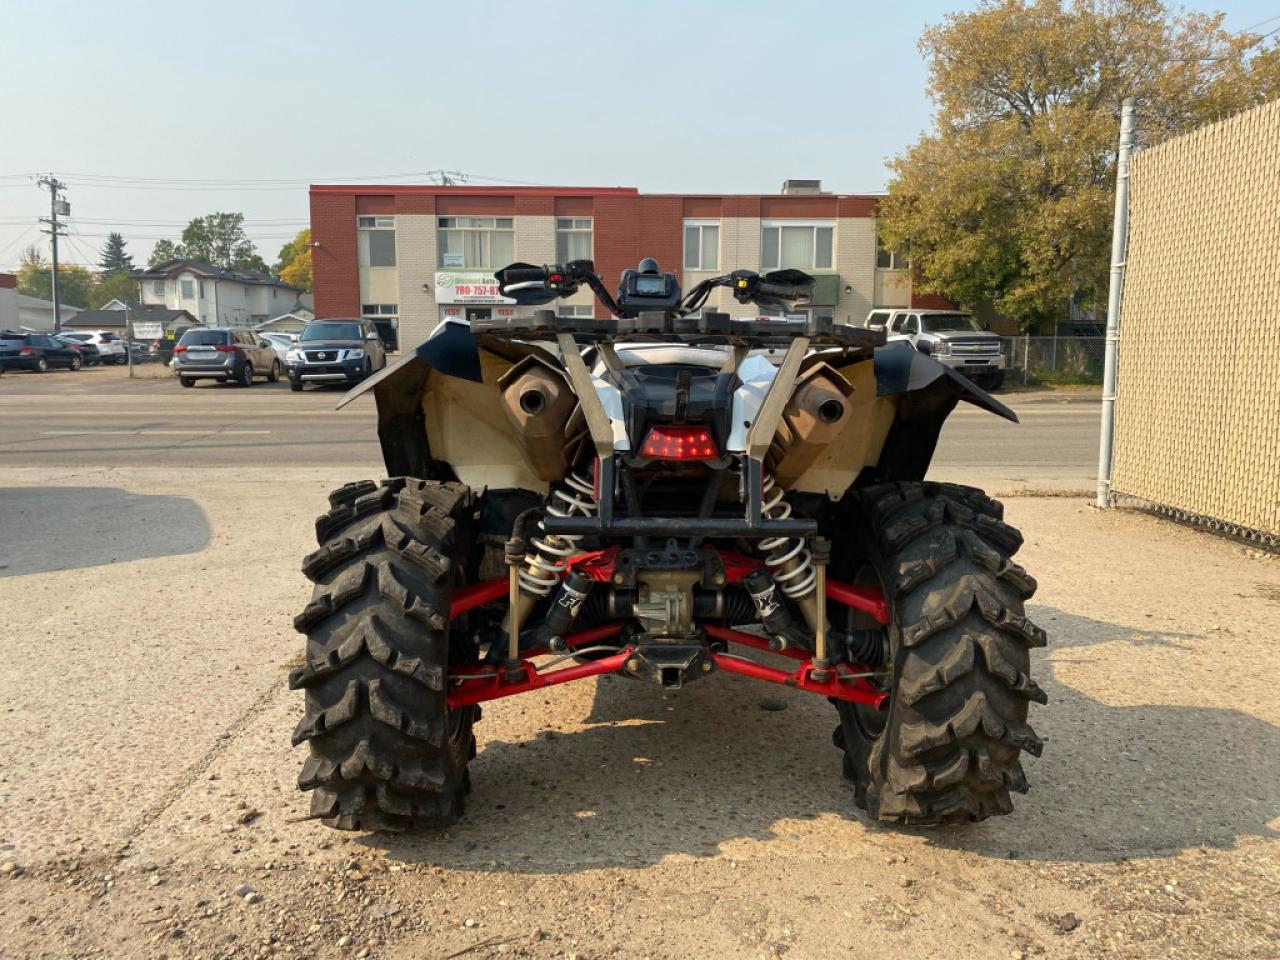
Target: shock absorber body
544,562
787,558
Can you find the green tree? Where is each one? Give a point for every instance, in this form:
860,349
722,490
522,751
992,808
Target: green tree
114,286
35,279
114,258
1009,198
219,239
162,251
294,265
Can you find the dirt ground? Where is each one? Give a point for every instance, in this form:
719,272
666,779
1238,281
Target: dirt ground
147,805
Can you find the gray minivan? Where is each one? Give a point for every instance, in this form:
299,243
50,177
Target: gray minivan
224,353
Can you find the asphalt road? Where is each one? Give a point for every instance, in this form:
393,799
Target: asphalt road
99,418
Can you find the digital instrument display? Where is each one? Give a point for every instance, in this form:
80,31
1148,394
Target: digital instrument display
650,286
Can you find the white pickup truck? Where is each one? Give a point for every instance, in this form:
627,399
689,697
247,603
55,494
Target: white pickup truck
949,336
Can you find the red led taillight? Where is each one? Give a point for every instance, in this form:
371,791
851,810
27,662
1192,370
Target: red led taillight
679,443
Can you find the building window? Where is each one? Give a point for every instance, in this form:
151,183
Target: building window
573,239
579,311
892,259
477,243
796,246
188,289
702,245
201,289
157,288
385,318
377,238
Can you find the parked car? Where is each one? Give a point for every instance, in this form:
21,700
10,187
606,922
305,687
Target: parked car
283,342
110,345
88,351
163,346
222,353
336,351
37,352
951,337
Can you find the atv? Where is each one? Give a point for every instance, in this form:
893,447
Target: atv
649,494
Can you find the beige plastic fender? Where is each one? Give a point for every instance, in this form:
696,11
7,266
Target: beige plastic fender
469,430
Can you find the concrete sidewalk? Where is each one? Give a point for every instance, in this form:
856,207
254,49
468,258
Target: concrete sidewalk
146,771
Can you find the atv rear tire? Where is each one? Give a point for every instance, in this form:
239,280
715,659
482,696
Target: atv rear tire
948,749
386,753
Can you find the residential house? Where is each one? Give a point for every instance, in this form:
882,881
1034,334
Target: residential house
37,315
112,317
299,315
216,296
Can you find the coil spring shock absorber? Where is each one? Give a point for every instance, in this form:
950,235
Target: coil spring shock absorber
793,568
788,560
543,564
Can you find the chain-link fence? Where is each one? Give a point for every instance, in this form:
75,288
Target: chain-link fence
1197,402
1063,359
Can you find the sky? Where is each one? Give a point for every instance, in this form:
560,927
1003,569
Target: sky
156,113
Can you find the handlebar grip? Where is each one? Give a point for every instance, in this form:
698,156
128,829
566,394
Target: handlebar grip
523,274
783,291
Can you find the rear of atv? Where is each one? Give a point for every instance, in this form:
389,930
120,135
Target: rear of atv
668,511
931,682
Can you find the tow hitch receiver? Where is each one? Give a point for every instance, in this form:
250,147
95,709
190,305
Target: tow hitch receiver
670,665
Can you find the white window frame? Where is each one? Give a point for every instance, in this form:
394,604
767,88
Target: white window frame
699,225
575,227
898,259
815,226
580,311
487,226
183,286
157,288
366,225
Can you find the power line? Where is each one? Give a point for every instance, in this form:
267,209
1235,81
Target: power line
1261,23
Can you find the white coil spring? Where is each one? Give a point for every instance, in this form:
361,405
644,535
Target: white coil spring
798,581
544,564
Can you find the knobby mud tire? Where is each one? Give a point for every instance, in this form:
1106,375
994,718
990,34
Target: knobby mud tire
948,750
385,752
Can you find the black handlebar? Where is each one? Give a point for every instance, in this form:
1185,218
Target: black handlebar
515,274
784,291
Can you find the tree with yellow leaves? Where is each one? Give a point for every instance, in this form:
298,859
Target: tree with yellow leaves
1009,198
295,260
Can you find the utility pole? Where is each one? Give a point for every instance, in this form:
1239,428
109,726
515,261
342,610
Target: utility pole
1119,248
56,206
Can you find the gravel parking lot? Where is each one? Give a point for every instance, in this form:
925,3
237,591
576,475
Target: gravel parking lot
147,805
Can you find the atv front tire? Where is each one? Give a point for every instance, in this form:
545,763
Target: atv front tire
386,752
947,751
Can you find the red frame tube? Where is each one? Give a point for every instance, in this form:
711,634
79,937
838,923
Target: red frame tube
525,678
867,599
476,595
751,640
855,690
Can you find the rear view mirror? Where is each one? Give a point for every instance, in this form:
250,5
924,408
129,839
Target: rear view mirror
371,335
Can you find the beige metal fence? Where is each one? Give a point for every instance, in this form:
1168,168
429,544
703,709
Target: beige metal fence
1198,395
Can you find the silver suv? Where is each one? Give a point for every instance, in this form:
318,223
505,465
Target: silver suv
952,337
224,353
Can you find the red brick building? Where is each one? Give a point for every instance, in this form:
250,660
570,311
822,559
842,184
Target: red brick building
408,256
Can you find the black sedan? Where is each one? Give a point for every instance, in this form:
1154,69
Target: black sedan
88,351
36,352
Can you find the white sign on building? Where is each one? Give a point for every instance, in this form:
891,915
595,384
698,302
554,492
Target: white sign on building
468,286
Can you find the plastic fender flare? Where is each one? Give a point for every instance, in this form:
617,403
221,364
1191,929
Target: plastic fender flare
900,368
